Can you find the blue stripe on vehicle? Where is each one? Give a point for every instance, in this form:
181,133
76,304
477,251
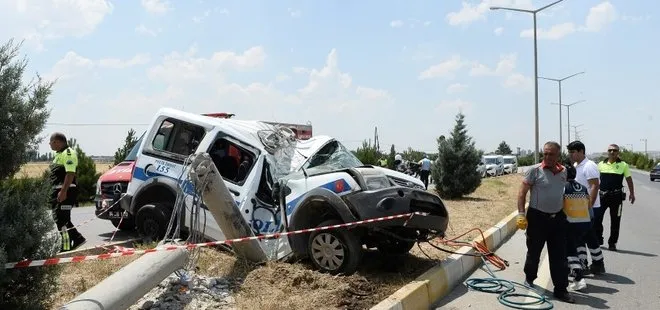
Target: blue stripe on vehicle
332,186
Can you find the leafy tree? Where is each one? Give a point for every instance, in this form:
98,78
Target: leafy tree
390,157
123,151
503,149
368,154
86,174
455,173
27,231
413,155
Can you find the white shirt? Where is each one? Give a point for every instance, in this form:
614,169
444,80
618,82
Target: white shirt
587,170
425,163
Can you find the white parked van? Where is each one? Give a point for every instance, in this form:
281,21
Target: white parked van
494,164
510,164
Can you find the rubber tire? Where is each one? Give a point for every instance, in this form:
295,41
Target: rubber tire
352,248
128,224
156,216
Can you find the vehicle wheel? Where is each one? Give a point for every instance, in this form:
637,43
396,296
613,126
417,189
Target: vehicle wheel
152,220
127,224
652,180
334,250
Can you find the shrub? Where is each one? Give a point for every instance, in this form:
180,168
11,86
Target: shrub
368,154
455,172
86,174
27,231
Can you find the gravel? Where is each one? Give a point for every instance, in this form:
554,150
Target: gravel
195,292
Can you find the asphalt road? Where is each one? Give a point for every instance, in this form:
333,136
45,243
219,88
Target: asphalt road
97,231
632,273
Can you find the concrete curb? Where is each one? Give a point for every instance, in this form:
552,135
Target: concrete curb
439,281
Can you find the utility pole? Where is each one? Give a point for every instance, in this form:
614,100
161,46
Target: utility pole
646,151
631,146
536,74
577,136
561,129
568,108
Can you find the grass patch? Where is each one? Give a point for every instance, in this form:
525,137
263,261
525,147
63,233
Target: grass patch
37,169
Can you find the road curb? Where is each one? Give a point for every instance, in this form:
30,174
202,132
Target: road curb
439,281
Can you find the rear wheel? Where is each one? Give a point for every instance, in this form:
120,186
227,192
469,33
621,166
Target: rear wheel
127,224
152,220
334,250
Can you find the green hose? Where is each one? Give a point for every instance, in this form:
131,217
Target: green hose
506,290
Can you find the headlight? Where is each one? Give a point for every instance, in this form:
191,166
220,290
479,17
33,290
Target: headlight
377,182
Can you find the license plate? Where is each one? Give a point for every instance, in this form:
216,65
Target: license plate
115,214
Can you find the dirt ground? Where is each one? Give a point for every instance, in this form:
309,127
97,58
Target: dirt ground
279,285
31,170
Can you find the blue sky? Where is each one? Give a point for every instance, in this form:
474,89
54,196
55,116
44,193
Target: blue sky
407,67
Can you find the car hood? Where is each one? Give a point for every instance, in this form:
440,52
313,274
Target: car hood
489,166
400,175
118,173
508,165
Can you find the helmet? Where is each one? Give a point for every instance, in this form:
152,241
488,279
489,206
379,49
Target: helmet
398,157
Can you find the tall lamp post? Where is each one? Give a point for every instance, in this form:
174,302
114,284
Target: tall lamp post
568,116
536,75
559,82
646,152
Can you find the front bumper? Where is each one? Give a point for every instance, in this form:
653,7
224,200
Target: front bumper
655,175
115,210
400,200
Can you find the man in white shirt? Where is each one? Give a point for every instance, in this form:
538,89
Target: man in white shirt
588,175
425,170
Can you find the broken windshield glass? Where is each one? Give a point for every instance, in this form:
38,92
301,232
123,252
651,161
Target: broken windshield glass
333,156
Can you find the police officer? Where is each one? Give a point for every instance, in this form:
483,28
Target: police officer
612,172
65,190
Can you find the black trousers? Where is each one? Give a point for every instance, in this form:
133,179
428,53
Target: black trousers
614,203
62,212
424,175
547,228
576,233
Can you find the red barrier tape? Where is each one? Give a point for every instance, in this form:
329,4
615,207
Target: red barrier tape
129,252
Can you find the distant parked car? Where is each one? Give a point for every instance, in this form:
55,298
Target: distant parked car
494,165
510,164
655,172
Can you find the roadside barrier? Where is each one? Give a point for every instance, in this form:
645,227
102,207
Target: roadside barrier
129,252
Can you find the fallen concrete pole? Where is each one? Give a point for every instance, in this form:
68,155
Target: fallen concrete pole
125,287
223,208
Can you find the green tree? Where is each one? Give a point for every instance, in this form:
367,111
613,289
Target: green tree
86,175
129,143
390,157
413,155
503,149
368,154
455,172
27,231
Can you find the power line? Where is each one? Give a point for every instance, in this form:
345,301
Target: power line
94,124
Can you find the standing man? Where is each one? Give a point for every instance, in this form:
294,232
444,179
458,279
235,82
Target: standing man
612,172
545,220
588,176
65,190
425,170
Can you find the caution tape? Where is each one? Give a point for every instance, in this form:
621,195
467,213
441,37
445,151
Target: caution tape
129,252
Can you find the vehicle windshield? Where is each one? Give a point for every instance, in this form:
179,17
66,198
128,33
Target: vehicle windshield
490,160
333,156
132,155
508,161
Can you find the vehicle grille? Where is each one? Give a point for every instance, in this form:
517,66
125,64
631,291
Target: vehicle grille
108,189
405,183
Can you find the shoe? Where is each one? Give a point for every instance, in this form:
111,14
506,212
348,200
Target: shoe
78,242
597,268
529,284
578,285
612,247
565,297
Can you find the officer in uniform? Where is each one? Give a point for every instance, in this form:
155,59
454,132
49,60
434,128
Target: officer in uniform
612,172
65,190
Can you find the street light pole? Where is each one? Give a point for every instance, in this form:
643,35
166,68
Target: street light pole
559,82
536,77
568,116
646,152
631,147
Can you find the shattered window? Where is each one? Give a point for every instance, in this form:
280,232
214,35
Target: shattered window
333,156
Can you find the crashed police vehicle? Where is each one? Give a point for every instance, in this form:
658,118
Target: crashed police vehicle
280,184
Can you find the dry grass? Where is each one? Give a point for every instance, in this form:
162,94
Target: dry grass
279,285
32,170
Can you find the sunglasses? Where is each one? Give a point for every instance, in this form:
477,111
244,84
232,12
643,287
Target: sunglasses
613,151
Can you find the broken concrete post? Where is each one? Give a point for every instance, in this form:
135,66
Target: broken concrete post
125,287
220,203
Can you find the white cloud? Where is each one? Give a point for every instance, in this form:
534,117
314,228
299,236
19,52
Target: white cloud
505,69
498,31
453,106
41,20
470,12
371,93
156,6
199,19
446,69
327,80
456,88
70,66
295,13
143,30
282,78
396,23
115,63
598,18
518,81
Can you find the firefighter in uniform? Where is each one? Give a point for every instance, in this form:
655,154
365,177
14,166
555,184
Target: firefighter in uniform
65,190
612,172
